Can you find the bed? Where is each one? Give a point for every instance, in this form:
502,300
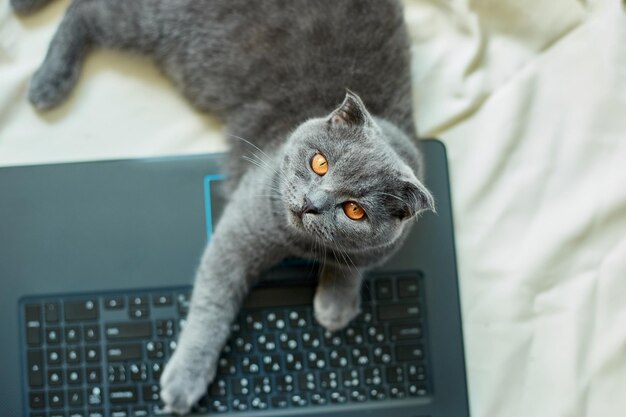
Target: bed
530,100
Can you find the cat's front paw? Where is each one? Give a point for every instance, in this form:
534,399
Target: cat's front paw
334,311
183,383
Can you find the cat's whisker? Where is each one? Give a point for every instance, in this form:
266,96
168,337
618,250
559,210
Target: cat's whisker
257,163
263,162
251,144
265,157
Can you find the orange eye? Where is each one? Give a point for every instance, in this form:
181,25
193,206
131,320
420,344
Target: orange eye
319,164
353,210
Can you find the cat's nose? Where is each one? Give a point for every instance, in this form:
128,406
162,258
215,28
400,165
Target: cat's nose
309,207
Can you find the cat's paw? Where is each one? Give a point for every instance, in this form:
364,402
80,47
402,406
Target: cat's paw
334,311
183,383
50,85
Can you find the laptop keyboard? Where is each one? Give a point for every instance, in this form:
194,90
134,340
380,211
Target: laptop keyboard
96,355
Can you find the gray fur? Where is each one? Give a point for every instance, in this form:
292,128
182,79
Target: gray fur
273,73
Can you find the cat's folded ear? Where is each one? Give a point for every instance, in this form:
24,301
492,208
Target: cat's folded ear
352,112
413,198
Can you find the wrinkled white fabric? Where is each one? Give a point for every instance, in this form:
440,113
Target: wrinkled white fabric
530,100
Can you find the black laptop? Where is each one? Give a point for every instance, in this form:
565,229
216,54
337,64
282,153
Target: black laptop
96,262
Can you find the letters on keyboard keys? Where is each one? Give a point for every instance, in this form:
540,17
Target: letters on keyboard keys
81,310
129,330
81,360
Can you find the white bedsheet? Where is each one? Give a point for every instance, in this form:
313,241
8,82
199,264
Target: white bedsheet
530,99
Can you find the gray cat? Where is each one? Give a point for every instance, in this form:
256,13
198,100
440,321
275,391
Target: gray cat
340,186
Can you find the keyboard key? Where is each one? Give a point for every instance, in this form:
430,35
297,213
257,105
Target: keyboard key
72,334
376,334
338,396
383,289
74,376
55,356
53,336
33,324
94,375
76,413
398,311
119,412
123,395
165,328
160,300
34,359
307,381
37,400
114,303
52,313
417,390
395,374
73,355
299,400
239,403
408,288
138,372
56,399
75,397
55,377
129,330
94,396
409,352
140,411
183,302
117,374
339,358
139,312
416,373
92,354
157,369
92,332
151,393
138,300
328,380
155,350
319,398
355,335
396,391
351,378
373,376
119,353
260,402
280,401
95,413
81,310
358,394
262,385
405,332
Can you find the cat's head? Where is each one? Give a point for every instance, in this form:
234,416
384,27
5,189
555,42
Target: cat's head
344,184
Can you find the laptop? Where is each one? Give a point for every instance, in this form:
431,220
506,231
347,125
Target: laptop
96,265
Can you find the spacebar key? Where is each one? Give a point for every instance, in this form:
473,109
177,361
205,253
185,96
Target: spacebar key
129,330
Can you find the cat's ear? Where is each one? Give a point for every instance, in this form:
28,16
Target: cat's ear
413,198
352,112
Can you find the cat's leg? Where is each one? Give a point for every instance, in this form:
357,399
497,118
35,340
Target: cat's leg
115,23
240,249
28,6
338,296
